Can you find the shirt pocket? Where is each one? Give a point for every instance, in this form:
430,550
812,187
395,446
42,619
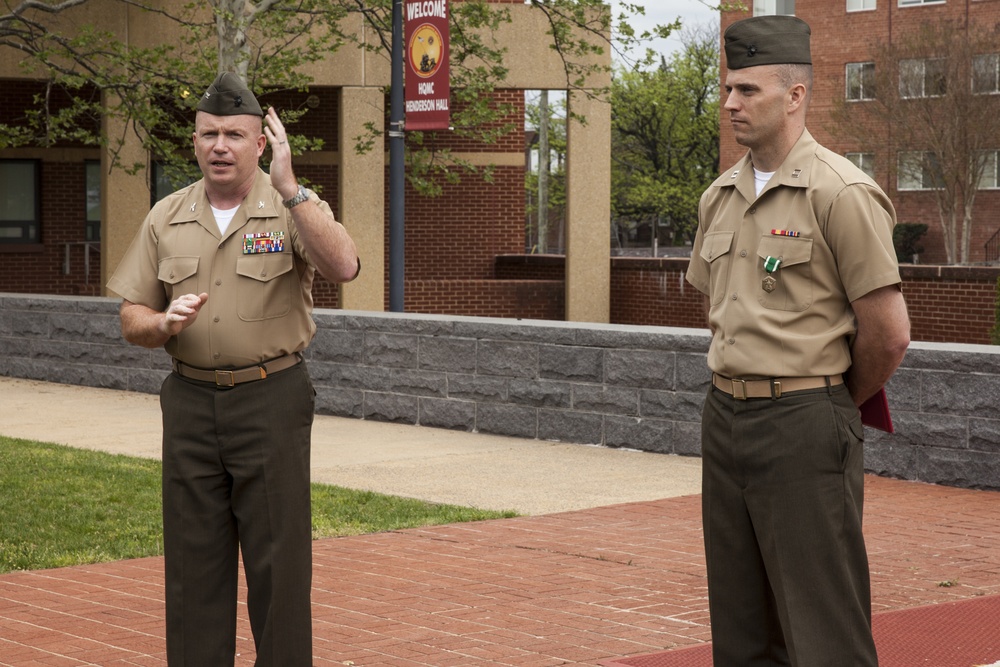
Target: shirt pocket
715,250
180,275
266,285
793,283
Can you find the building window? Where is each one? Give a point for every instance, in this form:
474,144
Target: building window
93,228
860,81
986,74
773,7
20,201
908,3
989,179
918,170
860,5
922,77
863,161
162,185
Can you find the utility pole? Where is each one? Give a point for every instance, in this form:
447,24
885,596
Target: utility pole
397,173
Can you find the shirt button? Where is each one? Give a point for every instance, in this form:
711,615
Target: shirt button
216,355
732,341
735,296
218,281
215,319
753,209
743,253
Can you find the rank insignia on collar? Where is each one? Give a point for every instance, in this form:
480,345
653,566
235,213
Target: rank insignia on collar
262,242
192,207
735,174
260,204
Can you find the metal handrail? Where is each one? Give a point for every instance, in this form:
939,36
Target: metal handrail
87,245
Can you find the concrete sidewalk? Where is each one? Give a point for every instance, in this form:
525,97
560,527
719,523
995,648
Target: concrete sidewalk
622,574
471,469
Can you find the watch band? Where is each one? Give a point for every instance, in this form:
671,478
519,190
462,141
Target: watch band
300,196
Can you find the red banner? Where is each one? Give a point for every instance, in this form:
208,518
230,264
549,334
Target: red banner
428,84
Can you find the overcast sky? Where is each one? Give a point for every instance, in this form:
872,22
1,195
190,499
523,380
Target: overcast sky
691,13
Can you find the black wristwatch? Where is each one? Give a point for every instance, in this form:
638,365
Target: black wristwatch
300,196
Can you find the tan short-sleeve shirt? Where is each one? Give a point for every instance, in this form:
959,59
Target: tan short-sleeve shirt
831,228
257,275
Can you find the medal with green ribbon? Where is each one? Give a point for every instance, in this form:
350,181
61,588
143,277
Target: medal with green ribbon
770,281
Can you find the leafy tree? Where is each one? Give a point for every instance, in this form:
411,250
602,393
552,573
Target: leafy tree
665,137
929,104
267,42
555,187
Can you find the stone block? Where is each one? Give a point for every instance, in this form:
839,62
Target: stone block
506,359
565,362
606,400
418,383
540,393
512,420
455,355
390,350
449,414
338,346
477,388
396,408
648,435
649,369
969,394
584,428
340,402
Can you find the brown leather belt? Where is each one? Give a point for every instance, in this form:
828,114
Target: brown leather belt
231,378
771,387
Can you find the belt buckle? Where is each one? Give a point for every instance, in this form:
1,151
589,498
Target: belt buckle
225,379
741,393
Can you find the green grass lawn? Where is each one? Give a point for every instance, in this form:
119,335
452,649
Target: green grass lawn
62,506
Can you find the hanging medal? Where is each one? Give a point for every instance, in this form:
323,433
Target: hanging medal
770,282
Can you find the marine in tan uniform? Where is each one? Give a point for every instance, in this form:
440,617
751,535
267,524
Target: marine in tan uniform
794,254
220,274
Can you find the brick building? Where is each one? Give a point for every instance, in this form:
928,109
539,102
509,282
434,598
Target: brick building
845,37
65,222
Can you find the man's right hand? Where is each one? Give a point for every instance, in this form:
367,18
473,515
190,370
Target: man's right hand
181,313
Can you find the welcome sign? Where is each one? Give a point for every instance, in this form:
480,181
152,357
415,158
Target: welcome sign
427,91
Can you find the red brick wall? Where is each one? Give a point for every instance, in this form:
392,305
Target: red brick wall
38,269
947,304
520,299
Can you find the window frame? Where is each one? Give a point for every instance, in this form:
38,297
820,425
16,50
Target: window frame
31,230
992,161
92,204
862,8
919,3
923,78
775,12
995,90
925,173
864,94
864,159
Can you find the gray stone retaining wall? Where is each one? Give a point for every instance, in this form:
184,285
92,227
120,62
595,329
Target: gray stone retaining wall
620,386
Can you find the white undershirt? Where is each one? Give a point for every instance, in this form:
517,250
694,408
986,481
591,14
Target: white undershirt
223,217
760,179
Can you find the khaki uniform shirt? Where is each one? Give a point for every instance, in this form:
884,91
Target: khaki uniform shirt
837,248
259,303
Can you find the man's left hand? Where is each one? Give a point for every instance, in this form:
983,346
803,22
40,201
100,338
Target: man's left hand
282,176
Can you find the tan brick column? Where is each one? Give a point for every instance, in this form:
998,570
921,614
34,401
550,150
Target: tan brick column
588,210
362,204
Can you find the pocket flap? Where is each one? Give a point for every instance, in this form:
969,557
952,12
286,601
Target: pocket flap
790,250
716,244
173,270
265,266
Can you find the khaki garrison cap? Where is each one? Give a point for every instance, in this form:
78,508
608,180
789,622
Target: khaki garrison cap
229,96
767,40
